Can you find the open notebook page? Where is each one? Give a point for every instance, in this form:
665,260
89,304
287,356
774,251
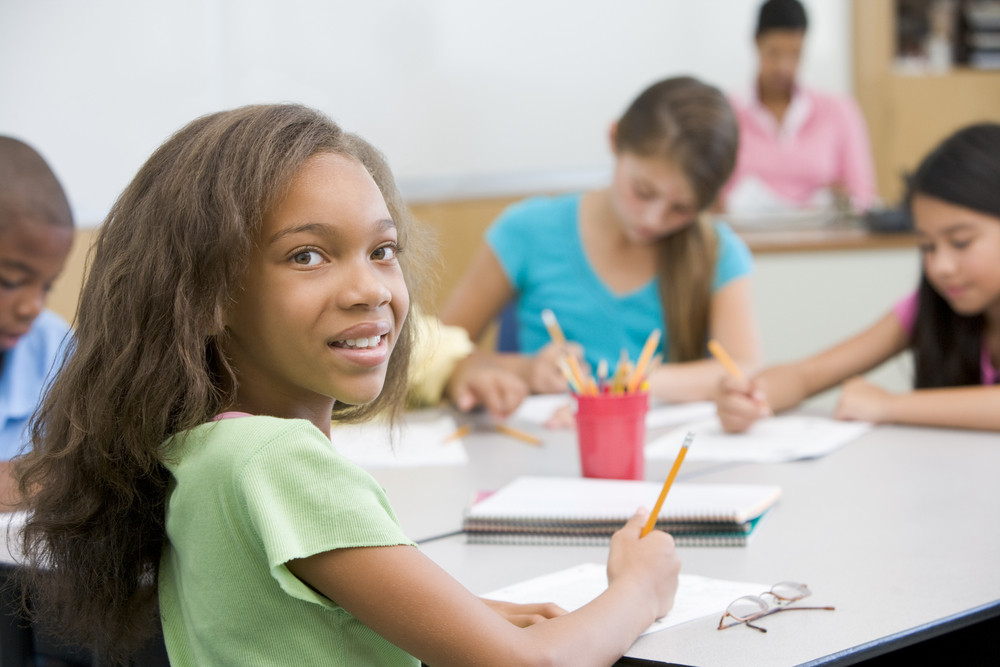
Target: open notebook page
772,440
574,587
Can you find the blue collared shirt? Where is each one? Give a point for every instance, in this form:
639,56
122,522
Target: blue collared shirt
26,373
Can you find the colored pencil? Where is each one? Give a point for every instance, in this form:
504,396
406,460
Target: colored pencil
552,325
719,352
602,375
651,521
517,433
568,374
460,432
639,372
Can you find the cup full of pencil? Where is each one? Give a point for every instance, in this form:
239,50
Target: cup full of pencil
611,416
611,430
610,411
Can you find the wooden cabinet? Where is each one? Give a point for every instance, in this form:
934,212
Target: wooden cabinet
908,112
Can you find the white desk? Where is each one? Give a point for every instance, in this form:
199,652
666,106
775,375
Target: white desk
898,530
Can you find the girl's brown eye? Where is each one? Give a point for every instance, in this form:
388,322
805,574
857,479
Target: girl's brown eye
306,258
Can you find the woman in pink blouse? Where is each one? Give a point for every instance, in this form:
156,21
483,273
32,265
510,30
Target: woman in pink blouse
799,148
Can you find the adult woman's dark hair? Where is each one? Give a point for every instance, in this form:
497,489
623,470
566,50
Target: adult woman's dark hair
781,15
964,170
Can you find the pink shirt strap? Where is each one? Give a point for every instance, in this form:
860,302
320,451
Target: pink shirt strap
906,312
230,415
990,374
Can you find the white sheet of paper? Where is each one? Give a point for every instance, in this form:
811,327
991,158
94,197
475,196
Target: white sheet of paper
574,587
538,408
672,414
420,441
772,440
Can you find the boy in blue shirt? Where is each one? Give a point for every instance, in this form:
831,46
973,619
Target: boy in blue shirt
36,234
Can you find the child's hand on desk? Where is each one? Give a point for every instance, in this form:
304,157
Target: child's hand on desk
523,615
563,417
651,561
478,380
739,403
860,400
544,376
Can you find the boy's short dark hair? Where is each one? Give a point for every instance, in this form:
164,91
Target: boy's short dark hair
781,15
29,188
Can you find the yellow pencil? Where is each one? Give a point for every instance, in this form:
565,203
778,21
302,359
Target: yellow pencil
644,357
460,432
622,371
568,374
559,338
517,433
651,522
719,352
552,324
574,368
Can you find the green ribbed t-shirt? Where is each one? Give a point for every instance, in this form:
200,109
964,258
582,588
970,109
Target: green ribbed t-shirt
250,494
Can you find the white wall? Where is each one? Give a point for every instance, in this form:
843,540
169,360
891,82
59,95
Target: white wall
464,96
808,301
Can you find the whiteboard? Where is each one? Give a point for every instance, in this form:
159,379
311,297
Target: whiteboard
465,97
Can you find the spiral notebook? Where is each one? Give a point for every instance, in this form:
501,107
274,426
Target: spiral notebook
583,511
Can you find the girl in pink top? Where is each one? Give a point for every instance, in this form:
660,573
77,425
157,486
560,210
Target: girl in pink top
951,324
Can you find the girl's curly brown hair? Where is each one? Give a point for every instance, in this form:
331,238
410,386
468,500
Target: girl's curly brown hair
146,362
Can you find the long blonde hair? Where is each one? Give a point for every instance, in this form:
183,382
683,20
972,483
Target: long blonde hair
147,360
690,124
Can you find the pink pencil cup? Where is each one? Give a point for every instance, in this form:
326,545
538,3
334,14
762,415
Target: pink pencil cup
612,434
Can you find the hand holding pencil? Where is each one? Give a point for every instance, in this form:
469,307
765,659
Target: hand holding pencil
547,374
651,561
740,401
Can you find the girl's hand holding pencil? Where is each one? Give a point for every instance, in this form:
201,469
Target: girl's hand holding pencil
651,561
740,401
544,375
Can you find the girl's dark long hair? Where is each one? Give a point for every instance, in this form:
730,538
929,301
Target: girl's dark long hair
690,124
963,170
146,361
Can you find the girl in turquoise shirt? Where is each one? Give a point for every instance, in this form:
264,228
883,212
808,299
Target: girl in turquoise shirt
642,253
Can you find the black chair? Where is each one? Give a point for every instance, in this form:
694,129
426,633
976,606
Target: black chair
17,647
25,645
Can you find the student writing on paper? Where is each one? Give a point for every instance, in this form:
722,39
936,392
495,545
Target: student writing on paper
253,280
799,148
642,253
36,234
951,323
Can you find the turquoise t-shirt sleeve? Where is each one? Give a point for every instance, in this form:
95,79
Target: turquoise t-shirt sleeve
733,259
512,236
303,498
